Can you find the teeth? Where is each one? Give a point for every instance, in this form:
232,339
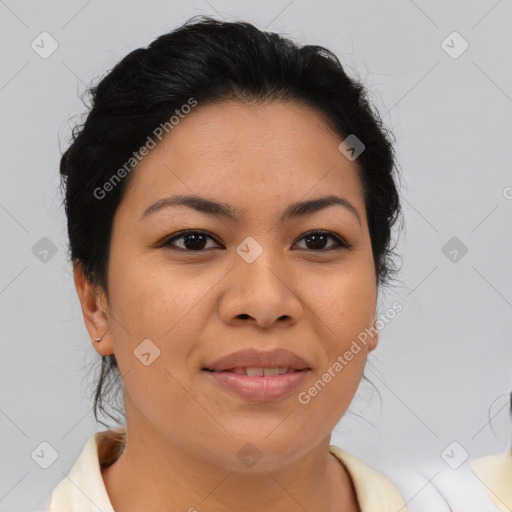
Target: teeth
254,372
261,372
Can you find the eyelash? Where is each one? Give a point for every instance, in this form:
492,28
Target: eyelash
341,244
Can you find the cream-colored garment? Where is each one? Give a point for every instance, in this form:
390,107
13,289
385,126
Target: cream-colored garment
83,489
495,472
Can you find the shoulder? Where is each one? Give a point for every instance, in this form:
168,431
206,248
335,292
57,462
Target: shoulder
374,491
84,485
434,488
496,464
495,473
433,485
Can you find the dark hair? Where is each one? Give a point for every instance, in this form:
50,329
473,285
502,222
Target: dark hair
212,61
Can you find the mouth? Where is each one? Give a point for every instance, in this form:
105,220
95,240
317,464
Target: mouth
259,376
260,372
257,360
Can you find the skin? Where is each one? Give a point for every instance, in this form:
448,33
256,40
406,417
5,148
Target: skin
184,431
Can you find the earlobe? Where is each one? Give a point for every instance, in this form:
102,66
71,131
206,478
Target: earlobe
93,303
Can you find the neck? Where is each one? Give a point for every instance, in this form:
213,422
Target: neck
154,474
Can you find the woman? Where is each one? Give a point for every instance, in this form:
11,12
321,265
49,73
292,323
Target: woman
230,203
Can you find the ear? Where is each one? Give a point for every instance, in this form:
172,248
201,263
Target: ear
373,337
94,306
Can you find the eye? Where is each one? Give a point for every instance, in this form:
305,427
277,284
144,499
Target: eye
317,239
194,241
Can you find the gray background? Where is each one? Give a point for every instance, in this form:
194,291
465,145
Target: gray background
443,366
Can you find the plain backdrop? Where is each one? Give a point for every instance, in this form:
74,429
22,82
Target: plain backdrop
444,364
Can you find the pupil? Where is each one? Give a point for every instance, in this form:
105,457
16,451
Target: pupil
193,246
317,241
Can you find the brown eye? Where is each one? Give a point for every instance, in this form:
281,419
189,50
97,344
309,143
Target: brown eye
190,240
197,241
316,241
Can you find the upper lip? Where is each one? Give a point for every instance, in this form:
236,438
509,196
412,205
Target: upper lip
252,358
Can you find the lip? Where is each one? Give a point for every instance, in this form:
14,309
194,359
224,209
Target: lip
251,358
260,389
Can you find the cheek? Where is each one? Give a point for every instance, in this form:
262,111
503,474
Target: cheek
152,301
344,305
346,308
155,300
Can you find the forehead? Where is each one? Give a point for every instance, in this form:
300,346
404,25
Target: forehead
250,153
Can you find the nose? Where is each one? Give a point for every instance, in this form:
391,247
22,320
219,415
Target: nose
262,293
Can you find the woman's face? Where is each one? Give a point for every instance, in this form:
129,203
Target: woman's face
259,280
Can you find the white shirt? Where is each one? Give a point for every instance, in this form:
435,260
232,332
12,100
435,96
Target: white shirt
495,472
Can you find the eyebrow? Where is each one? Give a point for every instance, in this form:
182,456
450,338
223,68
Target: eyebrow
220,209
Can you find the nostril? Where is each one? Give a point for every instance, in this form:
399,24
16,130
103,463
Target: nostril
244,316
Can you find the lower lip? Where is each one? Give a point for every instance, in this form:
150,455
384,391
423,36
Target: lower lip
260,389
